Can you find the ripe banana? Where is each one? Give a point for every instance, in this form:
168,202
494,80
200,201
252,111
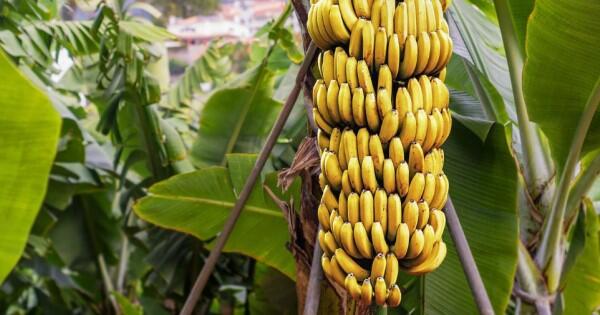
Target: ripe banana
368,43
321,123
378,239
384,80
355,44
389,126
429,190
330,243
366,292
352,286
395,151
329,199
322,140
368,174
416,159
423,214
432,132
437,219
346,186
411,16
337,24
347,240
332,101
366,209
394,296
376,12
384,102
416,95
402,240
339,61
441,192
350,144
410,215
424,50
345,103
401,21
417,185
389,176
338,274
391,268
321,102
377,154
408,130
351,75
394,55
327,67
336,227
349,265
343,206
334,140
333,172
381,293
421,129
353,208
354,174
362,8
426,93
380,49
380,208
435,53
402,178
322,243
361,239
358,107
348,13
364,77
409,57
394,216
415,247
403,103
362,143
371,112
378,266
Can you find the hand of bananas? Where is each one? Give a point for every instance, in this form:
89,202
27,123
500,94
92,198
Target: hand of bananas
381,106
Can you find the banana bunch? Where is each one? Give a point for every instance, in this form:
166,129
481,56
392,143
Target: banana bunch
381,106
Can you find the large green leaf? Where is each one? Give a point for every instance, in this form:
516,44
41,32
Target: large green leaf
563,63
29,131
483,186
519,13
582,292
236,118
199,203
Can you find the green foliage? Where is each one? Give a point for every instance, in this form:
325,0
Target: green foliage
29,130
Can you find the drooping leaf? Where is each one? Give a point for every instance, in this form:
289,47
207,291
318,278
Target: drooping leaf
237,118
29,131
582,291
563,64
199,203
145,31
483,187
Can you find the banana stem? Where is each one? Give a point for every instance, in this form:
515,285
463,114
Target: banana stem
380,310
535,163
582,185
553,228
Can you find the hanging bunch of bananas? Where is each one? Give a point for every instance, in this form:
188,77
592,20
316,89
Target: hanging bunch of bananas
381,106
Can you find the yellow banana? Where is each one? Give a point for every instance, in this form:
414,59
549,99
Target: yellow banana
384,79
394,296
327,23
322,181
350,142
354,174
426,93
352,286
389,176
320,23
351,75
446,4
355,44
348,13
408,130
380,47
358,107
329,199
421,15
402,178
321,102
416,159
336,228
366,292
362,8
430,164
339,59
371,112
409,58
417,185
362,143
437,219
394,55
366,209
343,160
437,116
403,103
376,12
376,151
416,95
343,206
415,247
411,17
380,208
438,13
387,16
394,213
430,14
410,215
447,125
435,54
384,102
378,266
381,293
423,214
334,140
446,46
337,24
321,123
323,215
368,174
347,240
338,274
332,101
401,21
389,126
353,208
432,133
421,130
316,87
364,77
330,243
391,269
424,50
322,244
333,172
440,94
435,259
429,190
378,239
349,265
322,140
368,43
429,241
312,29
402,241
361,239
441,192
396,152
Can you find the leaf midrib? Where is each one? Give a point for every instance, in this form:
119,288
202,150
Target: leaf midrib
224,204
